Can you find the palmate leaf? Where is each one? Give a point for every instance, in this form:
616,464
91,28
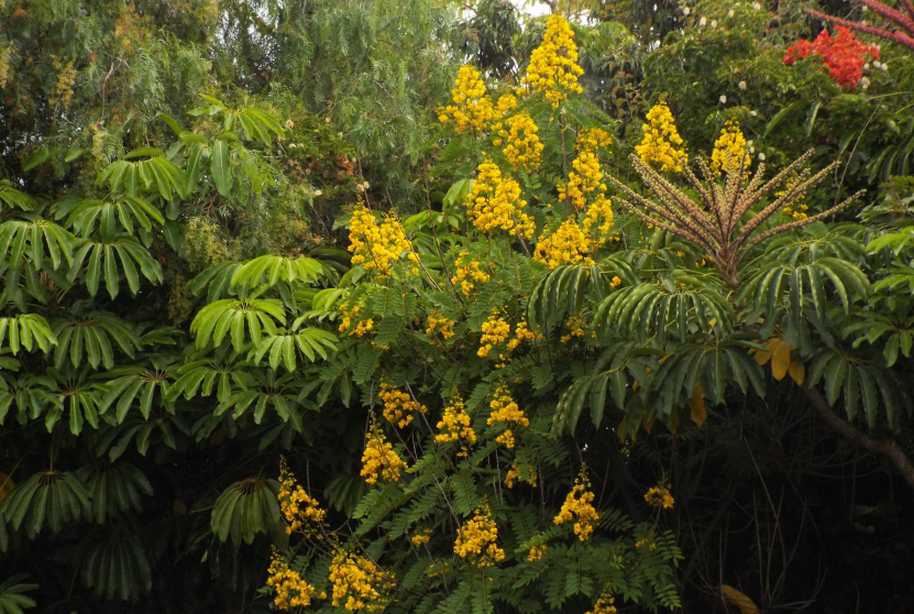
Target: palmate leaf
245,320
143,434
561,293
156,174
215,281
37,239
245,509
81,400
93,339
269,391
116,567
31,395
10,197
13,597
26,331
138,383
51,499
109,259
125,214
256,124
284,349
201,377
114,489
269,270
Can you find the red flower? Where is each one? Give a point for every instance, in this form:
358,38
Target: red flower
844,55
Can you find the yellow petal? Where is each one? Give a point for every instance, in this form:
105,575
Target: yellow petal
699,409
738,599
797,372
780,358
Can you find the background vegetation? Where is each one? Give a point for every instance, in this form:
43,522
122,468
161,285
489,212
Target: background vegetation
183,186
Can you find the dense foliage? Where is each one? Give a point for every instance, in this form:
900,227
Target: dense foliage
421,306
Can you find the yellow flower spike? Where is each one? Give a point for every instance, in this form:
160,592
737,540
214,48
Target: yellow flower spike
660,497
377,247
470,106
477,540
554,70
468,273
399,406
606,604
420,537
593,139
350,323
359,584
598,221
495,203
523,148
380,460
456,426
505,410
299,509
578,507
585,178
661,144
730,153
537,552
568,244
437,324
290,590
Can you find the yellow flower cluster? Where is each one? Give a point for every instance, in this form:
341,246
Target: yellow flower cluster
525,473
378,246
575,326
399,406
585,178
505,410
358,583
495,330
578,506
730,152
379,460
598,221
350,314
593,139
437,323
477,539
567,245
421,537
289,588
522,145
468,273
62,93
606,604
455,425
554,68
297,506
470,106
536,553
661,143
522,333
495,203
659,497
506,103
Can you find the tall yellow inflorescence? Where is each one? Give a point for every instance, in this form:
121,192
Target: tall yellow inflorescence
660,497
496,331
598,221
495,203
506,411
578,507
399,406
380,460
359,584
471,107
585,178
661,144
606,604
567,245
519,138
300,510
290,590
477,540
731,152
593,139
554,70
468,273
377,247
456,426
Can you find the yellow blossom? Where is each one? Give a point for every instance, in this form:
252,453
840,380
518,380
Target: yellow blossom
495,330
437,323
606,604
380,460
522,145
554,70
578,506
598,221
468,273
298,508
537,552
349,316
290,590
661,144
477,540
399,406
567,245
421,537
616,281
495,203
525,473
660,497
378,246
586,177
593,139
470,105
522,333
730,152
358,583
505,410
456,426
575,326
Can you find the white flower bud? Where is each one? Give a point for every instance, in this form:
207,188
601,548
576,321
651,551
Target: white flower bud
723,99
703,22
743,85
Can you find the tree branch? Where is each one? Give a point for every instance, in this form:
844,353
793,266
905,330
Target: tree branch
888,448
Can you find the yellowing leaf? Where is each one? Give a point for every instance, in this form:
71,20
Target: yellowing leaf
762,357
780,358
699,409
738,599
797,372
